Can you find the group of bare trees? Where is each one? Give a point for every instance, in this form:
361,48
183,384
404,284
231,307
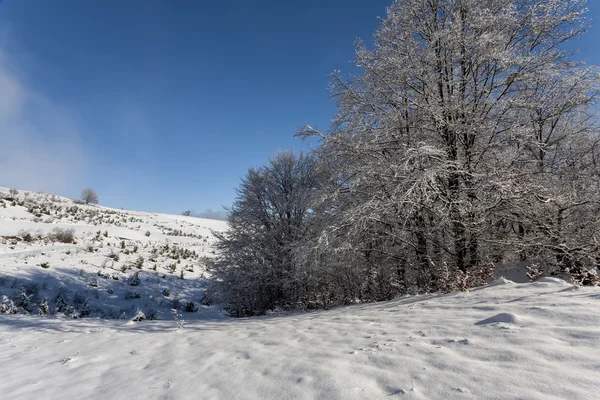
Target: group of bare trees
469,140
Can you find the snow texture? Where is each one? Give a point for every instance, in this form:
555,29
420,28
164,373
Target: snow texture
425,347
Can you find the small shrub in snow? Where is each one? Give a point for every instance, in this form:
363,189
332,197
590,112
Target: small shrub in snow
132,294
45,265
23,301
44,309
206,300
26,236
534,272
584,277
139,316
139,263
102,274
61,304
113,256
147,233
13,192
151,314
166,292
122,244
7,306
62,235
191,307
134,280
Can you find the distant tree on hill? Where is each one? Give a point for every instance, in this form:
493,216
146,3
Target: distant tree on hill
89,196
186,213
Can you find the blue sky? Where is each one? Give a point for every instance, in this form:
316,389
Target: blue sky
163,106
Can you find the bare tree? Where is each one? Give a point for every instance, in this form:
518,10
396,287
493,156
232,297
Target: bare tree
466,141
256,270
89,196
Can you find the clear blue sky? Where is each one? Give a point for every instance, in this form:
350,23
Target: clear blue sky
163,105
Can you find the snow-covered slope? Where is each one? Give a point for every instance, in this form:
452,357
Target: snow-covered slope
506,341
170,255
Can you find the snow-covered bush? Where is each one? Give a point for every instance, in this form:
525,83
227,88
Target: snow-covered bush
25,236
44,309
7,306
132,294
61,304
191,307
139,316
139,263
134,280
62,235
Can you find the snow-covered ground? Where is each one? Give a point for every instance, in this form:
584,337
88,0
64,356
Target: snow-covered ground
96,275
504,341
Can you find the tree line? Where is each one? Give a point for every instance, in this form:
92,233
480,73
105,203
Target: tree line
469,140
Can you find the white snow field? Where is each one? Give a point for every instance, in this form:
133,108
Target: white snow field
503,341
168,255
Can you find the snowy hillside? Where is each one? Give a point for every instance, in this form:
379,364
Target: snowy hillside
91,261
506,341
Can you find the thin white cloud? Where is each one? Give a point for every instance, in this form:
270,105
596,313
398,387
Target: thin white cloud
39,141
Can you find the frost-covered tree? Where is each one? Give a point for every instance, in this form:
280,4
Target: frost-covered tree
469,139
89,196
256,270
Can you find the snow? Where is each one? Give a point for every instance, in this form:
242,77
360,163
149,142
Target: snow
503,341
84,273
508,318
425,347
